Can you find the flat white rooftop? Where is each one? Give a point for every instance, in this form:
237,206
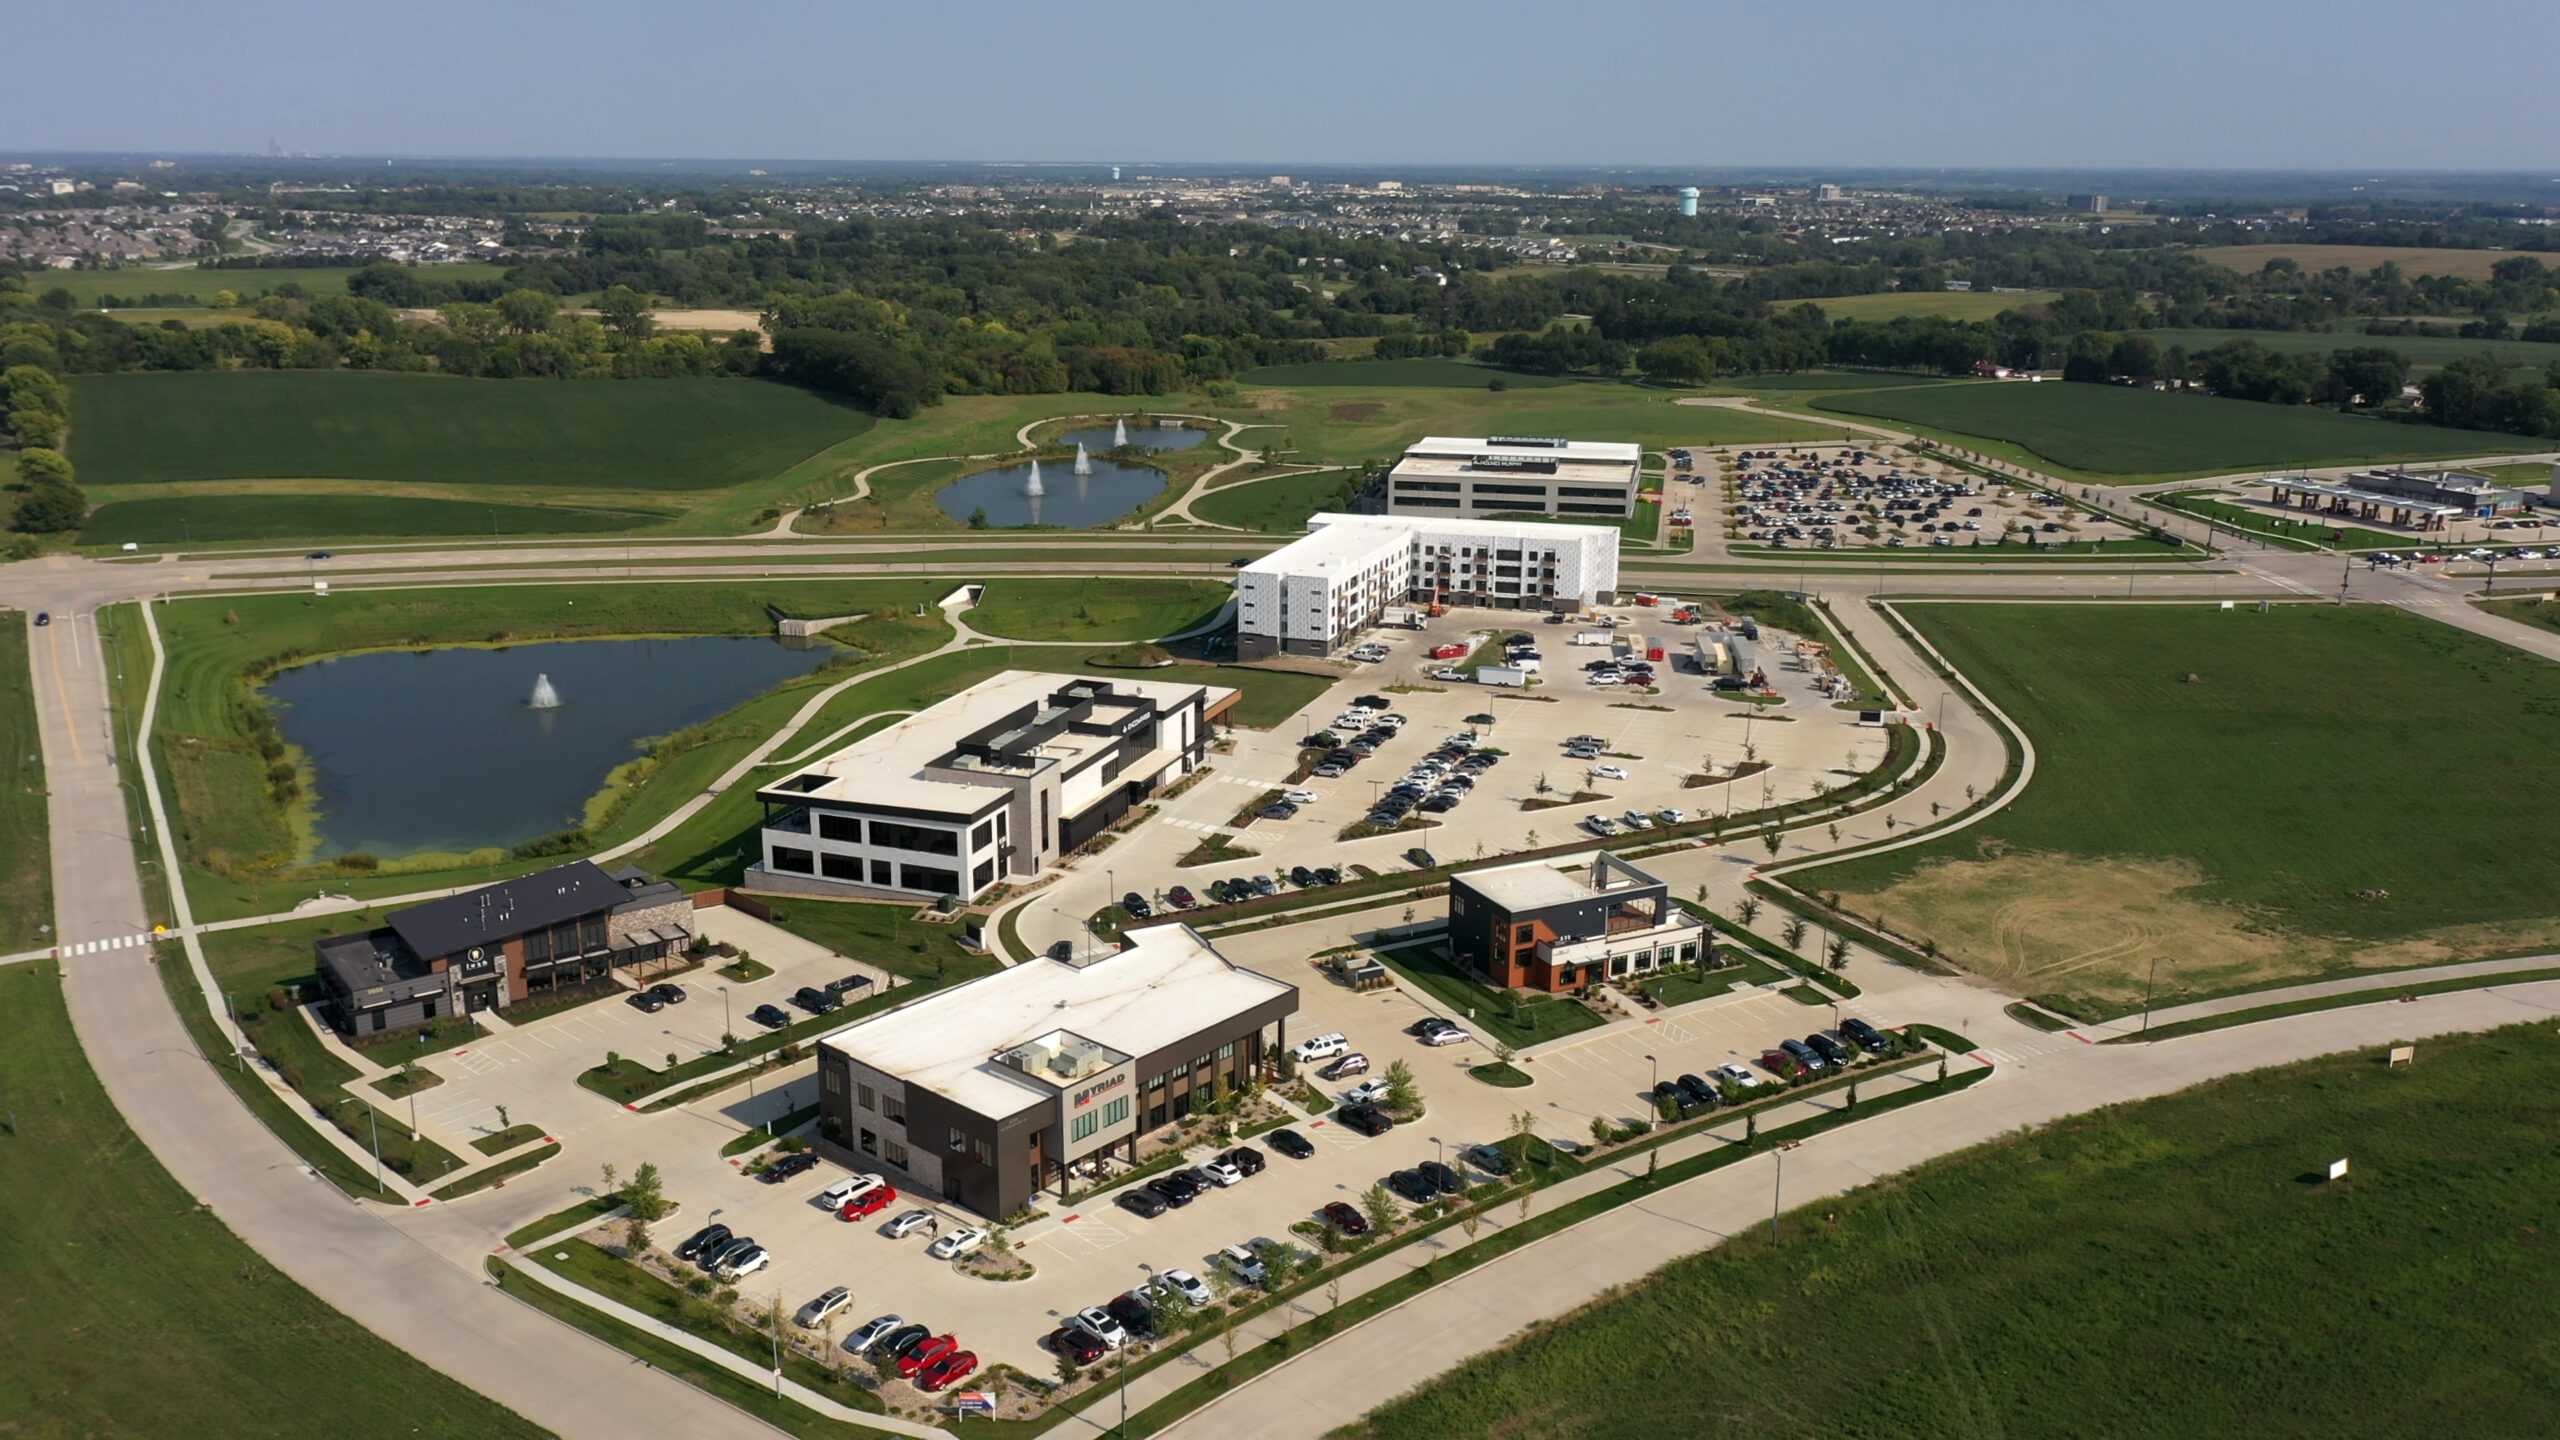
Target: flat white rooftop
1530,885
1164,985
1611,452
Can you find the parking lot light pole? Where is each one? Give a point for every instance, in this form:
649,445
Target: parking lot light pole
1657,1069
2146,992
376,1117
726,1029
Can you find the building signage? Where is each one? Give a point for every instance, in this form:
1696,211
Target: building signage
1531,464
478,961
1087,1095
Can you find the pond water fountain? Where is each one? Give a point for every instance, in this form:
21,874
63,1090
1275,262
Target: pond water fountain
1084,462
1033,487
1119,433
544,697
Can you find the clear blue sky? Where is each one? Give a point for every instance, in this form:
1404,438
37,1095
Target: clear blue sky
2346,84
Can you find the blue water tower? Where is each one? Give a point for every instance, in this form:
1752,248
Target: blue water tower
1688,199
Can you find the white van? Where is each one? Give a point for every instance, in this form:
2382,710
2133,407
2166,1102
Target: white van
841,1193
1320,1047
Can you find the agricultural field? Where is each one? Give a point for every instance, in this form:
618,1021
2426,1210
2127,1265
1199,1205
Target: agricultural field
1278,506
1935,304
199,519
2256,797
608,435
2424,352
87,285
211,1340
1410,374
2112,431
2177,1267
2413,261
1822,380
26,850
1337,426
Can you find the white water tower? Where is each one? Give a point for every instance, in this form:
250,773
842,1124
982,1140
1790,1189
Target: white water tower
1689,200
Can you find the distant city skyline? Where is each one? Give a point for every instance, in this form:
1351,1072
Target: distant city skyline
2241,85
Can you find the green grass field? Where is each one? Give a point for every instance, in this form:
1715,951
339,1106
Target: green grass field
26,845
1334,426
1278,506
1437,373
87,285
1115,608
2298,530
1939,304
2168,1269
107,1250
201,519
2321,795
2425,352
619,435
2110,430
1823,380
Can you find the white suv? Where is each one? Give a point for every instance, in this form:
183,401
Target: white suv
1320,1047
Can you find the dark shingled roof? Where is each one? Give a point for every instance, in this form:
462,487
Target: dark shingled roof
507,909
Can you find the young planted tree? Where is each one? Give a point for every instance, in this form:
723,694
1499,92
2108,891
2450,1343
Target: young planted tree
1404,1097
646,1198
1749,909
1770,842
1793,934
1838,952
1381,1209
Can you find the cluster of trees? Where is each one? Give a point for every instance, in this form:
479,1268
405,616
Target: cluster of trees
2477,394
39,411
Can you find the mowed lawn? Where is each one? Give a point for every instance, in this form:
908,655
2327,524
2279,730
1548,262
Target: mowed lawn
26,847
1337,425
358,425
2170,1269
1278,506
197,519
2316,755
2114,430
127,1310
1110,607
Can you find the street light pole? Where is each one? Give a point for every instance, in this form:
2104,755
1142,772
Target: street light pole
2146,992
1657,1069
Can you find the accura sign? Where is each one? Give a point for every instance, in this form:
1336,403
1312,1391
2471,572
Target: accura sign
2404,1054
2337,1169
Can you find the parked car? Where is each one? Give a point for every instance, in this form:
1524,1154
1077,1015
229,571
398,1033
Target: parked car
1429,1023
835,1195
1077,1344
1247,1160
1282,811
1320,1047
1367,1119
1671,815
1097,1322
1135,906
1413,1185
1608,772
1780,1064
1443,1178
1803,1054
1865,1036
668,991
1828,1048
713,1260
1346,1218
1241,1263
647,1002
789,1166
872,1333
1291,1144
1134,1314
1739,1074
1367,1092
1182,1283
913,1362
1488,1159
707,1240
958,1243
740,1264
1222,1172
815,1000
909,1223
1354,1063
1327,875
1450,1035
867,1204
1698,1091
948,1371
904,1339
1181,898
1177,1190
815,1313
1421,859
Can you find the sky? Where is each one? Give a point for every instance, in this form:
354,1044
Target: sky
2238,84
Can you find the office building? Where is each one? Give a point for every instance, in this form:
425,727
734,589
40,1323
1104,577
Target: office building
988,787
1452,475
1314,595
990,1091
493,947
1533,926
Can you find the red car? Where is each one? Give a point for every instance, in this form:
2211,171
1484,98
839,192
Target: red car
948,1371
1780,1064
926,1354
869,1203
1346,1219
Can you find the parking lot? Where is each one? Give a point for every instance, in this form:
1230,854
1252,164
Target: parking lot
1845,498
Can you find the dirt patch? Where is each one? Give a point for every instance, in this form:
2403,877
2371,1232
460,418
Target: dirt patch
2057,925
1356,411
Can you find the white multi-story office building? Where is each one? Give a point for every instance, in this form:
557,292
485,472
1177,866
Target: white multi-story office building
990,786
1313,596
1475,477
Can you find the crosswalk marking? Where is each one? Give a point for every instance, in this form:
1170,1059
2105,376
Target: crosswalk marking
91,947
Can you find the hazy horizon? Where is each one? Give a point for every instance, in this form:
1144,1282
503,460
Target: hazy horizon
2245,86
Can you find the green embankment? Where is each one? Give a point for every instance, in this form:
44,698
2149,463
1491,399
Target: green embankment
26,845
2174,1268
203,519
128,1309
